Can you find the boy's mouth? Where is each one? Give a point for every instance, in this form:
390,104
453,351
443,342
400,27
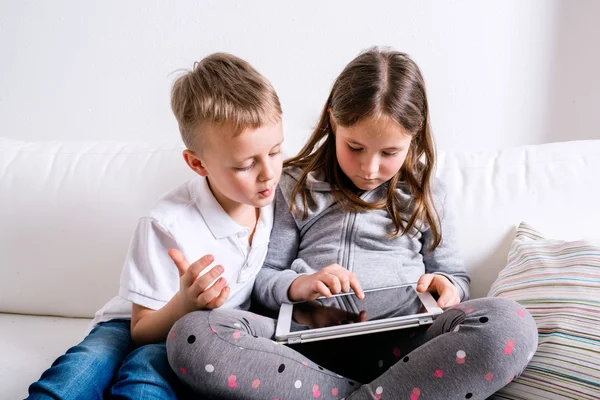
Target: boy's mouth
266,192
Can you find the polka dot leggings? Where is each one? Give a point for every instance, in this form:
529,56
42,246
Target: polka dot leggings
469,352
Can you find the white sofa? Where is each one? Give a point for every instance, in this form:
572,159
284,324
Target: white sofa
68,210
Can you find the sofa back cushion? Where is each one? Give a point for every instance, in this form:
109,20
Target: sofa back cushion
68,209
555,187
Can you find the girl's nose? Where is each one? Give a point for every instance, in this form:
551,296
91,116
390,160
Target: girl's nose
370,166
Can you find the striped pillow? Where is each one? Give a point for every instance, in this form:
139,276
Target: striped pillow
559,283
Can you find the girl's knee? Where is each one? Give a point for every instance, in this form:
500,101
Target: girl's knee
505,322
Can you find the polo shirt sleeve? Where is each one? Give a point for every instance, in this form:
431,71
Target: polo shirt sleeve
149,277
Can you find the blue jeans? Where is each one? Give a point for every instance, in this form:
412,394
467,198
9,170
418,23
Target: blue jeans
107,364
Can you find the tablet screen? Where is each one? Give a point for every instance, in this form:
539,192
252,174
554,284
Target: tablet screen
347,308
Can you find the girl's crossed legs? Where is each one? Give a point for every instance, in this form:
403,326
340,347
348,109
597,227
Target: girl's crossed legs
469,352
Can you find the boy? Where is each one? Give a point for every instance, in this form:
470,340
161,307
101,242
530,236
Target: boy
229,117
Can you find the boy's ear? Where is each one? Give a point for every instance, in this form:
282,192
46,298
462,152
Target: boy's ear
195,163
331,120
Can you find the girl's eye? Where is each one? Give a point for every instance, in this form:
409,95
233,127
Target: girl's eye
354,149
248,168
385,153
275,153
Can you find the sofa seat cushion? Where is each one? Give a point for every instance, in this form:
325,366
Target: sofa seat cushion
29,345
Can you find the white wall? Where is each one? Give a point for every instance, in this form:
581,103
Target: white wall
499,73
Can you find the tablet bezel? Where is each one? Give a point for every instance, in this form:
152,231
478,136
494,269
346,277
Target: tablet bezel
283,334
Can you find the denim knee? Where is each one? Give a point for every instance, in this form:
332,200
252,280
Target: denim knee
145,373
87,369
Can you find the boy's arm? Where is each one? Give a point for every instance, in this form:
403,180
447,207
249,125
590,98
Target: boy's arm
161,284
152,326
195,293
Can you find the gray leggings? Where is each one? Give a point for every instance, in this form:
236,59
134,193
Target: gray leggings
469,352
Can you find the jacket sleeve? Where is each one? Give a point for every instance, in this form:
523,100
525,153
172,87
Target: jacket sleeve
282,265
446,259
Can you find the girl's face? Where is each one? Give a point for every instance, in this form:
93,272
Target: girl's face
372,151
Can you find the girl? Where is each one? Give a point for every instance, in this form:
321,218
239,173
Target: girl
359,207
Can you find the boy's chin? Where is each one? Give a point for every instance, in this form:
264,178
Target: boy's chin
263,201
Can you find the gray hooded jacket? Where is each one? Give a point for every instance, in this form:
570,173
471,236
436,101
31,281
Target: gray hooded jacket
359,242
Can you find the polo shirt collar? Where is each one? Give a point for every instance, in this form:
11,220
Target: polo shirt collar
218,221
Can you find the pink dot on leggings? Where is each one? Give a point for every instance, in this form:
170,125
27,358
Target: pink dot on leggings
236,335
183,370
438,373
315,390
396,352
232,381
334,391
172,335
510,344
213,330
468,310
489,376
255,383
305,363
415,394
520,312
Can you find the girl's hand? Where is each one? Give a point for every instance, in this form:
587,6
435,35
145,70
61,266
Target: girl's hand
441,285
330,280
194,291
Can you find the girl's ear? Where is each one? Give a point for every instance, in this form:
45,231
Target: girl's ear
195,163
331,120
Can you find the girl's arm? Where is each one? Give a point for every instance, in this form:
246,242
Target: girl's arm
446,259
285,277
282,265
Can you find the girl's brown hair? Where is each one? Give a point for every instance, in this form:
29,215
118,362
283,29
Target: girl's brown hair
380,84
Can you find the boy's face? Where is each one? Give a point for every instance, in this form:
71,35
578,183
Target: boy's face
243,169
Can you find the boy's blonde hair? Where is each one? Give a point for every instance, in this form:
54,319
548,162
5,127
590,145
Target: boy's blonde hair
222,89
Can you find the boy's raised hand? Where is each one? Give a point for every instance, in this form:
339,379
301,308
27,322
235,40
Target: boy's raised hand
194,290
330,280
441,285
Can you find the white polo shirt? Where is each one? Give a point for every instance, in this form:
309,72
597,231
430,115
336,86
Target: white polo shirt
190,219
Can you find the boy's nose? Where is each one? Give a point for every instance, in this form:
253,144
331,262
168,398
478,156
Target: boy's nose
267,173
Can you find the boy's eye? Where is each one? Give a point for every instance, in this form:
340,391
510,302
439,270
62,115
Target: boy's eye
354,148
249,167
